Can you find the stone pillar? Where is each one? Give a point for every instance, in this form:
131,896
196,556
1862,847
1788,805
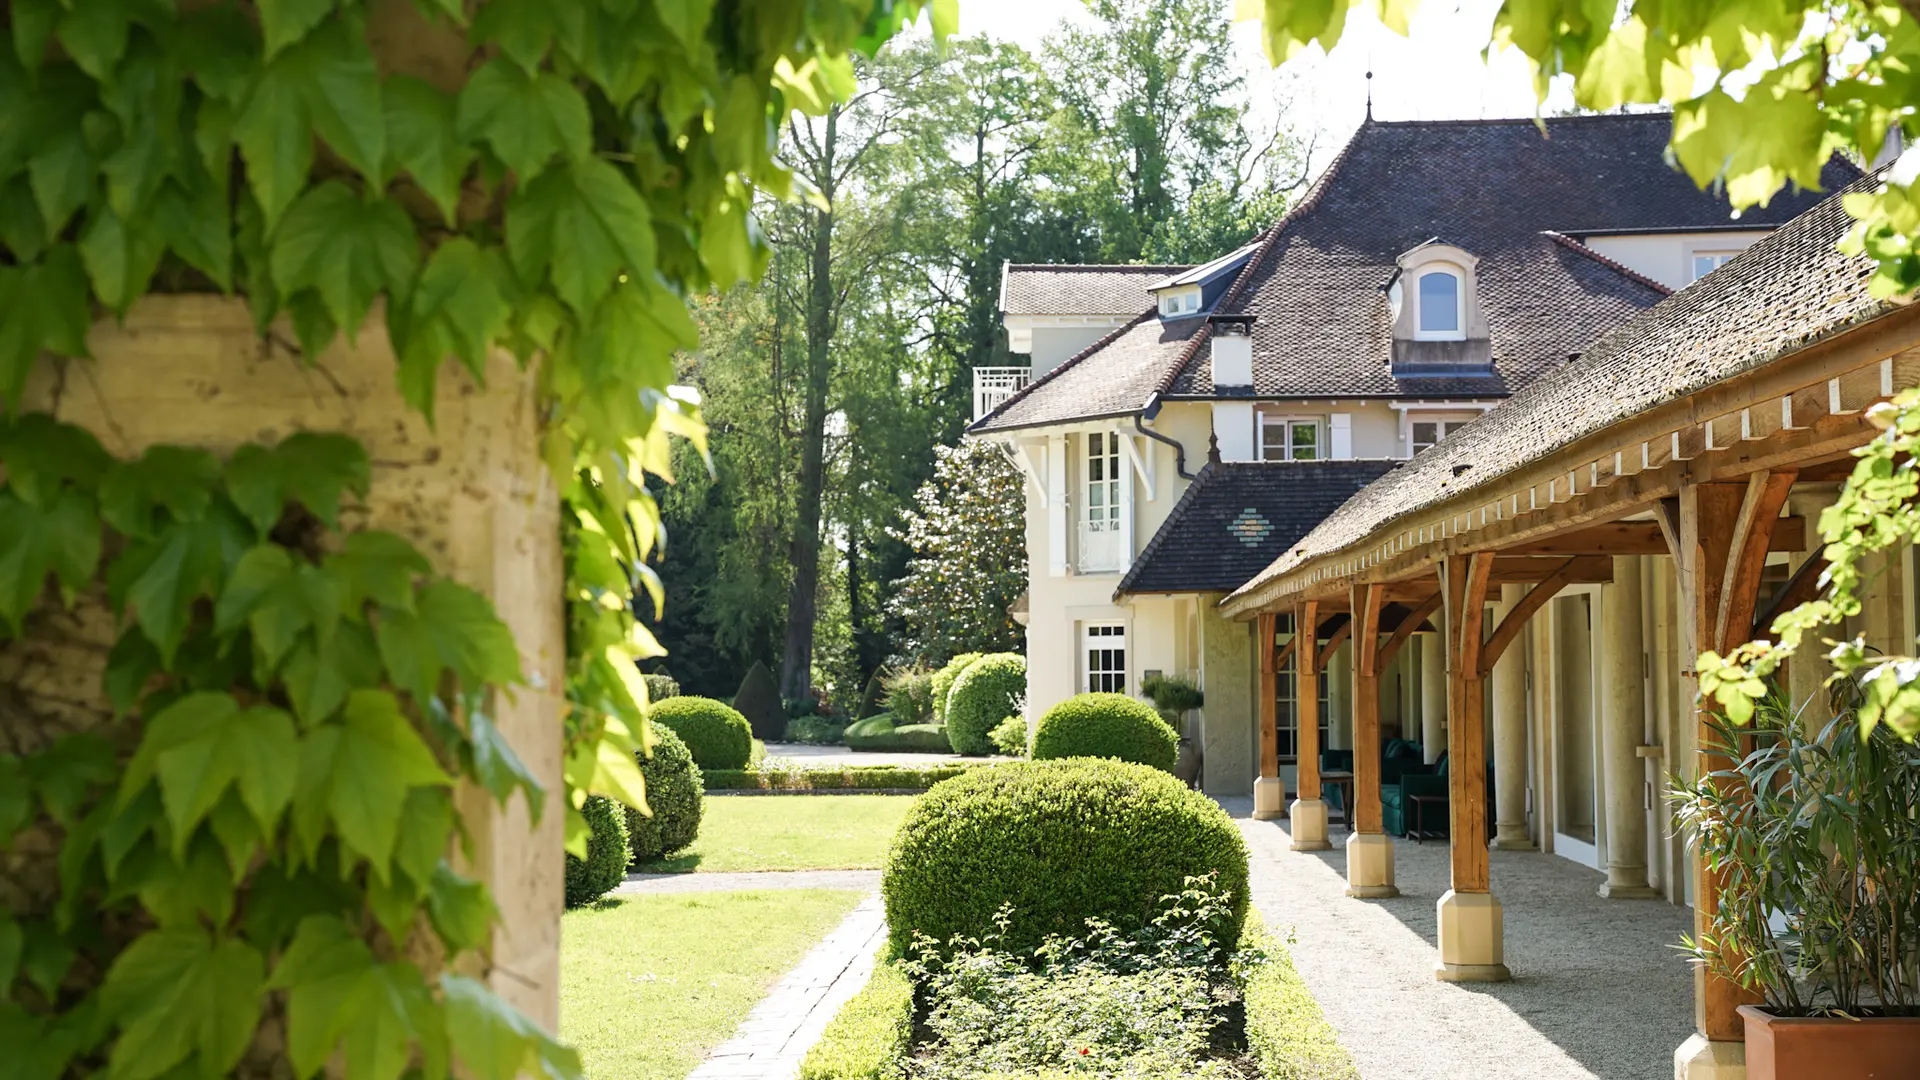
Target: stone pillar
471,491
1510,736
1339,676
1227,720
1623,722
1433,696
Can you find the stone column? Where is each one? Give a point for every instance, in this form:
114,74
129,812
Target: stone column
1229,718
1510,736
1433,696
1623,722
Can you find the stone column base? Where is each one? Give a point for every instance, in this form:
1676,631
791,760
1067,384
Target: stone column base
1629,890
1512,838
1472,946
1309,817
1701,1058
1370,866
1269,798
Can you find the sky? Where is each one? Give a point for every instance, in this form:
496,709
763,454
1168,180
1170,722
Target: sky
1435,73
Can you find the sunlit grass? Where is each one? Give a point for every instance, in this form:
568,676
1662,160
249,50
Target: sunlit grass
792,832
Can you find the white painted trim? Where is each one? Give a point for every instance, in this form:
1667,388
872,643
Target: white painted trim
1142,467
1460,276
1057,519
1574,849
1340,436
1024,458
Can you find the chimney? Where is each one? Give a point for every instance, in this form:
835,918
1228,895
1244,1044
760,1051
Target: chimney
1232,351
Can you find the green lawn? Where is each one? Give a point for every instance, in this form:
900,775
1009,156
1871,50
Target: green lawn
649,984
792,832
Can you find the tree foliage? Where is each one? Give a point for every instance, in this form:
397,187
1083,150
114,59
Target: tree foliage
967,532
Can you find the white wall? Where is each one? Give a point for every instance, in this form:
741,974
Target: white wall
1050,339
1668,257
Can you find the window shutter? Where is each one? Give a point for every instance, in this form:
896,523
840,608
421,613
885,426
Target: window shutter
1340,442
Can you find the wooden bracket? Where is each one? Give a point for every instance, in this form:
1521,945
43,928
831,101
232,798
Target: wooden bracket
1407,627
1530,604
1747,555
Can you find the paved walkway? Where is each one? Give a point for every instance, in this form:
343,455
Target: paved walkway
862,880
805,755
1598,992
773,1039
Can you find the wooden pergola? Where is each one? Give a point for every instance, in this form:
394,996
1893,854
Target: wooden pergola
1702,478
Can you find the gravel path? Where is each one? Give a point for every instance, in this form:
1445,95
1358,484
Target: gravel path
773,1039
861,880
1598,993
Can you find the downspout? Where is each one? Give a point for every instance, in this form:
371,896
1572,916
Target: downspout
1179,452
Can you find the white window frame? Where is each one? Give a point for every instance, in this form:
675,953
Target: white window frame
1107,678
1720,257
1459,276
1102,524
1184,301
1452,418
1286,424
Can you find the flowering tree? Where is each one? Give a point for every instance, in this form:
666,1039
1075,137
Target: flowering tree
969,559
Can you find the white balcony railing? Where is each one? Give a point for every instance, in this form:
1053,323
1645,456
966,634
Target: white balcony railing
1101,549
992,386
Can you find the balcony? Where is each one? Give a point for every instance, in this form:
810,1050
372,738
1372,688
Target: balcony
1102,547
992,386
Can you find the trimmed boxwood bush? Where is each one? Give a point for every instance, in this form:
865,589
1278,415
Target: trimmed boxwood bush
905,739
674,795
1287,1033
833,778
1061,842
944,679
606,863
1106,726
871,1034
661,687
1010,737
758,699
987,692
717,736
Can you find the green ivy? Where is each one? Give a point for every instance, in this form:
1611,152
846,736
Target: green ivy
234,879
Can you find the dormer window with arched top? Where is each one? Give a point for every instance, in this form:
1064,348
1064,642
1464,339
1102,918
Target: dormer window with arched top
1434,304
1438,299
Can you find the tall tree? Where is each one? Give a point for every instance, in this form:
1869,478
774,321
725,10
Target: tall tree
967,532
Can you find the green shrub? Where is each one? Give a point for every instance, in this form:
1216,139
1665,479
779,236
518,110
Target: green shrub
871,697
758,699
661,687
870,1036
815,731
985,693
1288,1036
832,778
1061,842
1172,695
673,794
872,725
910,695
944,679
717,736
1106,726
904,739
606,863
1009,736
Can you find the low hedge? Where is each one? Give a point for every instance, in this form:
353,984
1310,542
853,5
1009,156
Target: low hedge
877,724
871,1034
987,692
673,794
1106,726
1061,842
906,739
833,778
605,866
1288,1036
718,737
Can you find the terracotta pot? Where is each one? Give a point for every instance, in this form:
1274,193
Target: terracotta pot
1830,1048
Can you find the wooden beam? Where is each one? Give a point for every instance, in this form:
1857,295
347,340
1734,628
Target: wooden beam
1365,811
1306,699
1801,586
1528,606
1278,658
1269,698
1368,600
1766,494
1473,612
1465,582
1334,641
1640,538
1413,621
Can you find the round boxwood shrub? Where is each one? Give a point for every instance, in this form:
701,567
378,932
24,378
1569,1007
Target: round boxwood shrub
1106,726
944,679
606,863
1061,842
717,736
673,793
661,687
987,692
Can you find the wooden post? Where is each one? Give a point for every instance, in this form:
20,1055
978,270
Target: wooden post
1471,923
1369,851
1269,793
1720,540
1308,812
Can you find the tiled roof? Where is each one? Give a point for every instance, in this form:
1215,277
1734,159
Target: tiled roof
1055,289
1237,516
1133,360
1786,291
1498,189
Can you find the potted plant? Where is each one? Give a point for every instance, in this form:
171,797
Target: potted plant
1817,837
1174,697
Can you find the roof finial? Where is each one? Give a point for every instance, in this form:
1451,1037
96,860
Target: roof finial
1369,94
1213,448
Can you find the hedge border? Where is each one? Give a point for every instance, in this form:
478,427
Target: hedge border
868,778
1288,1035
871,1035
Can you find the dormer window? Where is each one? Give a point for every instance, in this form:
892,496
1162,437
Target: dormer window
1439,313
1184,301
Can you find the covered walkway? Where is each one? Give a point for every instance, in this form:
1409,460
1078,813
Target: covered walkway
1598,991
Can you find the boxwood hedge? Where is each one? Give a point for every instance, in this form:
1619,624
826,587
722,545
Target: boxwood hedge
987,692
1106,726
717,736
1060,842
605,866
673,794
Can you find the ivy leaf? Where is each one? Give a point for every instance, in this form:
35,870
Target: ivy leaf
379,566
46,959
422,844
198,228
459,306
357,772
527,117
584,223
320,675
11,944
62,539
309,468
94,34
177,479
175,991
32,25
337,991
451,626
420,134
284,22
187,562
325,82
495,1041
347,249
62,177
460,909
497,767
22,229
205,743
523,29
43,454
120,259
196,885
133,662
48,307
